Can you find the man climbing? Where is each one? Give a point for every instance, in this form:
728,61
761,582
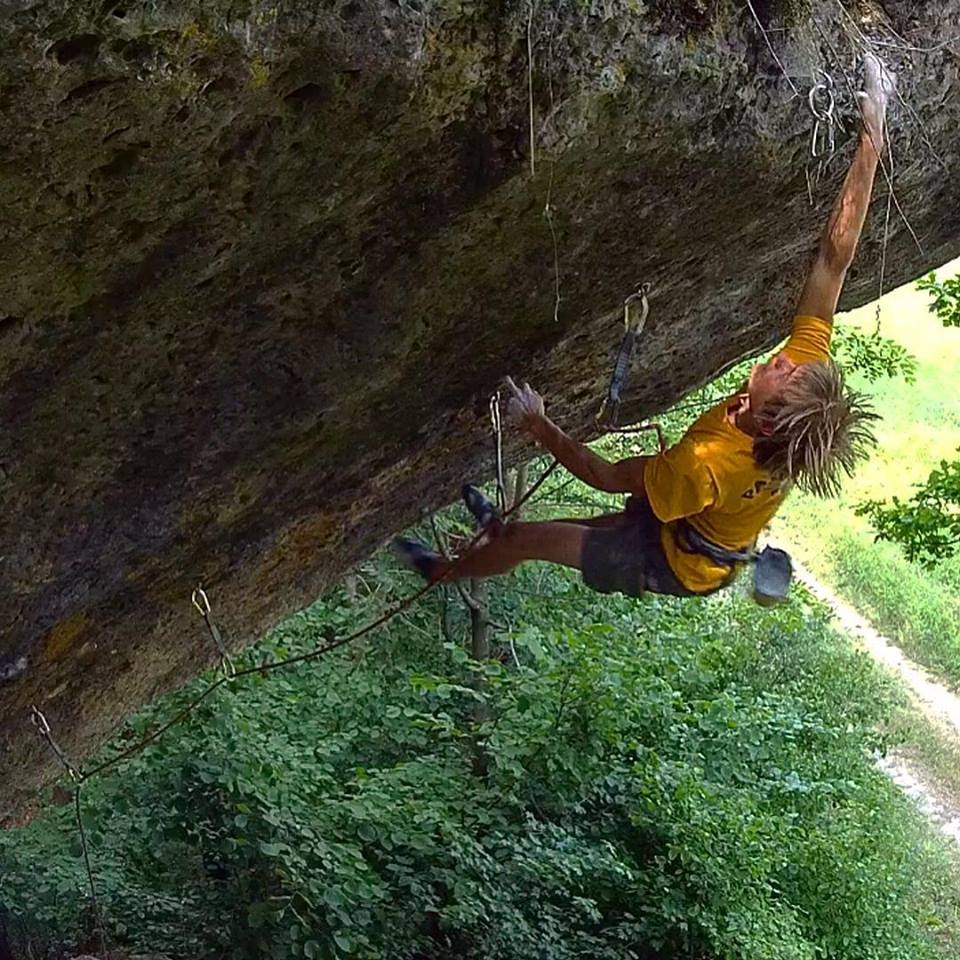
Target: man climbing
696,510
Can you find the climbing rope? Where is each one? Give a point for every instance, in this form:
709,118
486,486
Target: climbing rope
640,427
773,52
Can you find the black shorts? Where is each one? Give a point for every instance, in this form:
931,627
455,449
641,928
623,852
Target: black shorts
628,558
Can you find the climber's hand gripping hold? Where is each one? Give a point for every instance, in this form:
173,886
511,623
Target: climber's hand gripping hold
525,404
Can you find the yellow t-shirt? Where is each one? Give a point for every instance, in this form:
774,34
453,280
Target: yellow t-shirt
711,478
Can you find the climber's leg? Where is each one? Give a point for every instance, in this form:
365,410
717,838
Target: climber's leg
554,541
616,553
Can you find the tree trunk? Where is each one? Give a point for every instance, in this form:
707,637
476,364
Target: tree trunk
518,489
480,651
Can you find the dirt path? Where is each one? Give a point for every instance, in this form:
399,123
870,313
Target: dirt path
937,700
930,802
933,698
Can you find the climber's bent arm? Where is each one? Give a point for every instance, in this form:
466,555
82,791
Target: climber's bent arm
623,476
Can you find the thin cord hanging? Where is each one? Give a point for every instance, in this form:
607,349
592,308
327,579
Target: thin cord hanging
496,425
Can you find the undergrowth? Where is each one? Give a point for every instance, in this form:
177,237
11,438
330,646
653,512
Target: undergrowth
683,779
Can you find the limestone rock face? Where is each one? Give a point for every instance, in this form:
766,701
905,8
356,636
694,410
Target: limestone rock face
263,262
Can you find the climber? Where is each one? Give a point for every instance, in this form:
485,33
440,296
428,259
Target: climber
696,510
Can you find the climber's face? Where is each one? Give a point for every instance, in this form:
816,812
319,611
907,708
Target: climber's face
769,380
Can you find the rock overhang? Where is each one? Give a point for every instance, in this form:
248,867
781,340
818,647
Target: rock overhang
263,268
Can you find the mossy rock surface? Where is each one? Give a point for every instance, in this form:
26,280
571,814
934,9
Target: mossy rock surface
263,263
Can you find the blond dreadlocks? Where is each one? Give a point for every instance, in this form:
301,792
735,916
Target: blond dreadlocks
816,431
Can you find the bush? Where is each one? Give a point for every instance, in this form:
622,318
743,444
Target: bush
666,778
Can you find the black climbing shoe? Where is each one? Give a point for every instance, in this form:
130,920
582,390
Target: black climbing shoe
416,556
482,509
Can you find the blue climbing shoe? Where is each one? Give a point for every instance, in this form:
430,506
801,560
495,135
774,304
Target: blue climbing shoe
416,555
484,512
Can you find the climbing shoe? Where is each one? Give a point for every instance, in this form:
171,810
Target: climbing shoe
417,556
484,512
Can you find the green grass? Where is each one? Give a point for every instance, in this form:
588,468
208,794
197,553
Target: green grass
927,743
917,608
917,611
930,745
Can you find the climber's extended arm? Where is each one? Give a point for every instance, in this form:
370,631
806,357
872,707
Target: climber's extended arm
623,476
821,292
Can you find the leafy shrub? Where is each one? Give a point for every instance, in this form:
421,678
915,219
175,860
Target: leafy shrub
666,778
944,298
927,525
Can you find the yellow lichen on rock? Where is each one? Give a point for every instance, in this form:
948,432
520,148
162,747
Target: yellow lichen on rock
61,637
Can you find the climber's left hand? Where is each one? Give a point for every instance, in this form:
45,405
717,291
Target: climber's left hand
525,403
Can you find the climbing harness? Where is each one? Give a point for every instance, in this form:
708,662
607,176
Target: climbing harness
772,568
823,106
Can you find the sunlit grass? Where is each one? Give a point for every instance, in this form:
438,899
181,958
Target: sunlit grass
918,609
921,426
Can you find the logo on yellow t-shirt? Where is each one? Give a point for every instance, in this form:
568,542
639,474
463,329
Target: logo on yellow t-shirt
775,490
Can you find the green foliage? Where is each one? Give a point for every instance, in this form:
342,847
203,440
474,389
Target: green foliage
945,298
680,776
927,526
873,356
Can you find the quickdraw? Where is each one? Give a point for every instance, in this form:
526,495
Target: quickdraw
823,106
636,308
200,600
43,728
496,425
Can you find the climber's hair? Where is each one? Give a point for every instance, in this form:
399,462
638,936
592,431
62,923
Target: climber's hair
817,430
